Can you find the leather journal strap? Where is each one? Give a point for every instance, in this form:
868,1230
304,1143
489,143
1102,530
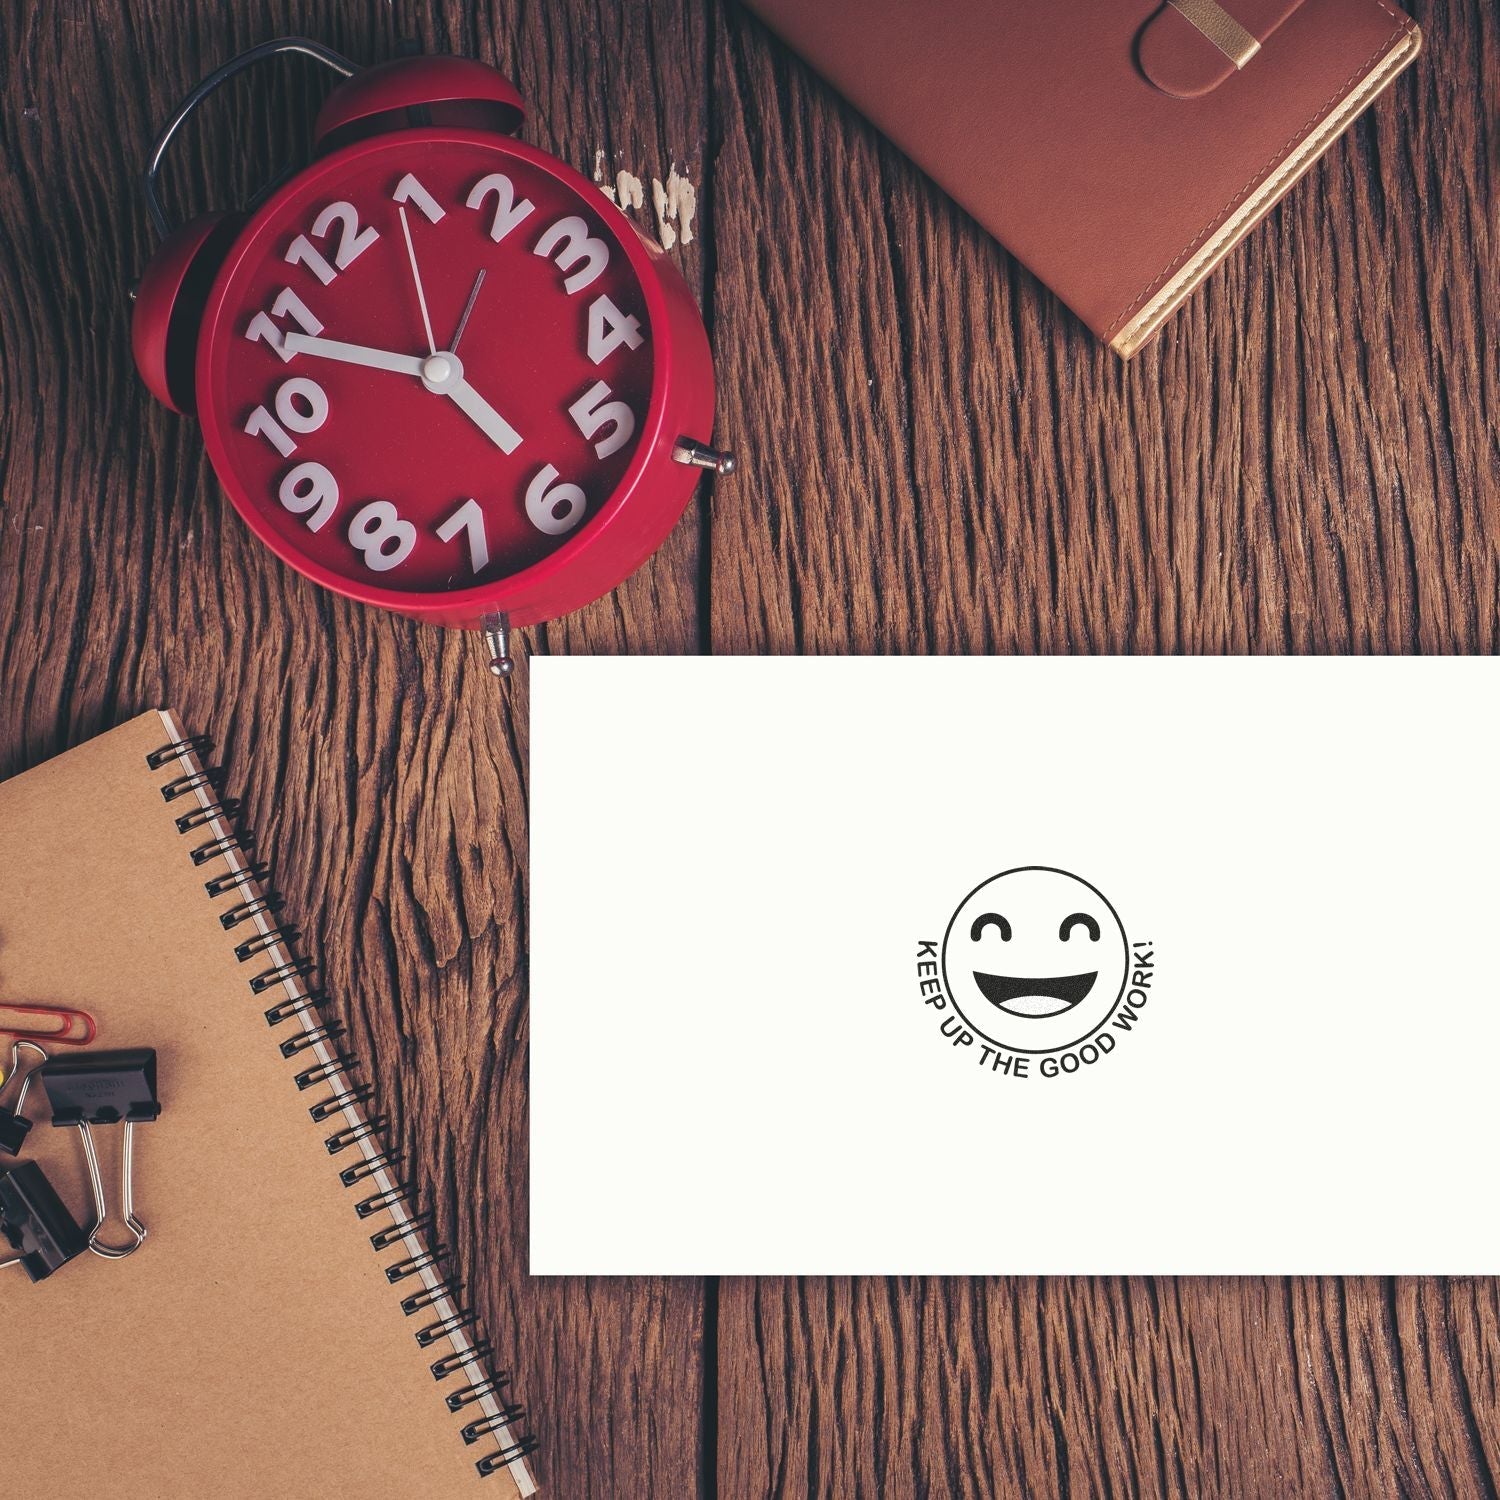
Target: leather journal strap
1221,28
1191,47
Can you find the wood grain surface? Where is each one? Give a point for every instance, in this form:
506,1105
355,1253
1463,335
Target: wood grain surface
935,458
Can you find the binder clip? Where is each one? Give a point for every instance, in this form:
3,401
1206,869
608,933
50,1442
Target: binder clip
14,1126
36,1224
106,1088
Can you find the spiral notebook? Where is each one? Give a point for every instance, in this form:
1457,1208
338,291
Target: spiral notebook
286,1330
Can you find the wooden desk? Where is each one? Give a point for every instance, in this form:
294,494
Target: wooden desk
935,458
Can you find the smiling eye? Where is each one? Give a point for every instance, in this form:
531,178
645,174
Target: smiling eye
1066,930
990,919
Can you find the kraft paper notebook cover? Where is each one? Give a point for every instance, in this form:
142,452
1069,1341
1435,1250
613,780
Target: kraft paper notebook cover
1119,148
254,1346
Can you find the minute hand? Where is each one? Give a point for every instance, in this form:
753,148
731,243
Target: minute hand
353,354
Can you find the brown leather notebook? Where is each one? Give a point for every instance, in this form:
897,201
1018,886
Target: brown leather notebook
1119,148
257,1345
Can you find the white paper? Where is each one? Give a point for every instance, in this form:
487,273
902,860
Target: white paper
736,1068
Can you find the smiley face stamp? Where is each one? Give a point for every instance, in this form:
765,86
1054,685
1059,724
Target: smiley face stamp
1036,974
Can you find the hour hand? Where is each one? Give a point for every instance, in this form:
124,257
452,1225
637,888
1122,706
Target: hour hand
352,354
484,416
443,374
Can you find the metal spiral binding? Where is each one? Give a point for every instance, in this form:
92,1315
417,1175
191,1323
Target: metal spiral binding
479,1351
486,1425
299,968
205,852
299,1005
503,1458
367,1208
336,1104
343,1139
198,744
414,1265
261,905
341,1062
420,1224
350,1175
490,1385
236,880
226,811
449,1287
434,1332
286,936
185,785
470,1358
329,1033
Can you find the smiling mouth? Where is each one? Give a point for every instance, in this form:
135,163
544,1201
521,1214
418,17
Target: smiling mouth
1034,997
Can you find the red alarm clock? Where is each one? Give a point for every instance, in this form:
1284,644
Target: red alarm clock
437,369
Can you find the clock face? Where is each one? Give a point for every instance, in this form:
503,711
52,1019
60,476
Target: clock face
429,364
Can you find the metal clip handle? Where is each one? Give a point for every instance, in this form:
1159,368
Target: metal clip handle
127,1196
299,44
6,1079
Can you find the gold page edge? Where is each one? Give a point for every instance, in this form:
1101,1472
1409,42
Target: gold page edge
1140,330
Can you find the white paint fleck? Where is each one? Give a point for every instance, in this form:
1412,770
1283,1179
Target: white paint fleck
664,231
626,190
630,192
676,203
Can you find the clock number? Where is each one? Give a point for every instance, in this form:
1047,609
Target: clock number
263,424
569,243
384,538
300,404
409,190
610,329
593,410
508,213
469,518
553,508
302,252
287,305
310,487
353,242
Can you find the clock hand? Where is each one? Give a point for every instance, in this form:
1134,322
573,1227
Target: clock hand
353,354
463,321
416,277
483,415
443,375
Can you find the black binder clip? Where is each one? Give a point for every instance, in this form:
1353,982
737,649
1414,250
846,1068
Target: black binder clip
36,1224
14,1126
106,1088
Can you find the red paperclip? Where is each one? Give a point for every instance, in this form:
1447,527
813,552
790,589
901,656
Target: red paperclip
47,1023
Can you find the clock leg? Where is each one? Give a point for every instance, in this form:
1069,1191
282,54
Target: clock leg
701,456
496,629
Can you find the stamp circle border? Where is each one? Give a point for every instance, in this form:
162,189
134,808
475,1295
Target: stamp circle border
1124,981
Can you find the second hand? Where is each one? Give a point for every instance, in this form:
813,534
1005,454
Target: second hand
463,321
